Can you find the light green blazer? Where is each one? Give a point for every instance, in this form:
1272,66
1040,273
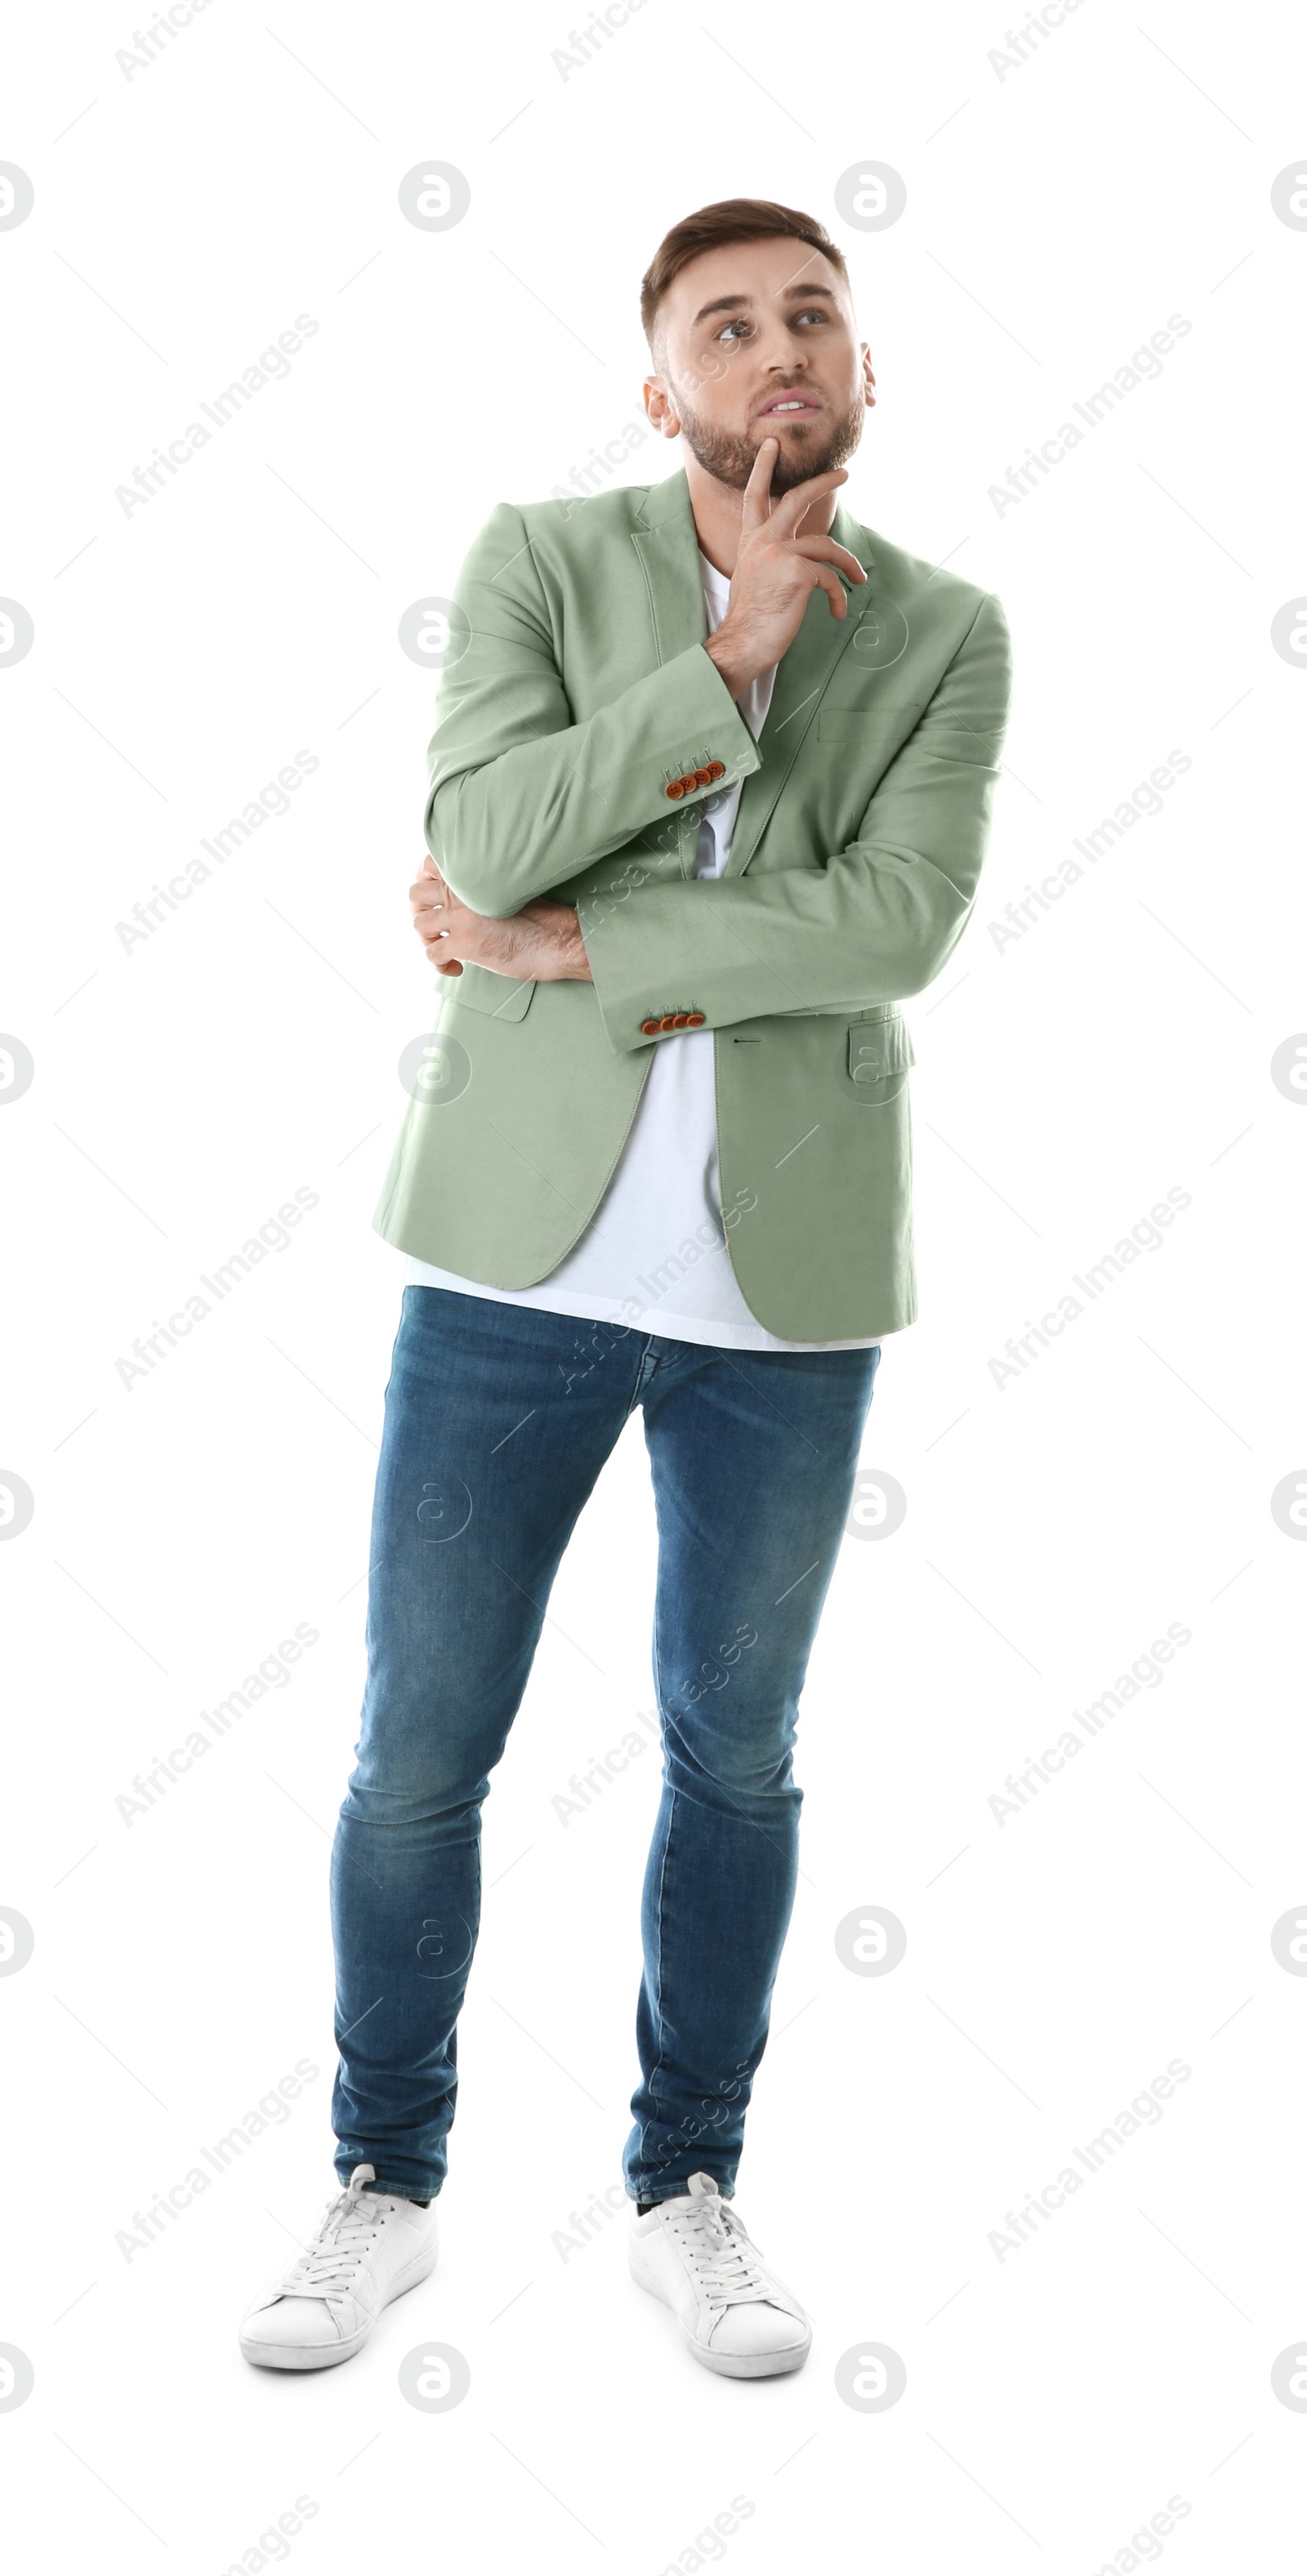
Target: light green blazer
575,730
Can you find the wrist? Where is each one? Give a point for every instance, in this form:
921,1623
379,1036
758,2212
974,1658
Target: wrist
568,949
574,963
731,660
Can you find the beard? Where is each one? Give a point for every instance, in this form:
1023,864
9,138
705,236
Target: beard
810,447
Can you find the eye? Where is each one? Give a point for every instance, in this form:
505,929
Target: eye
739,324
815,313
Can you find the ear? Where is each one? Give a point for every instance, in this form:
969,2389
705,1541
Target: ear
659,408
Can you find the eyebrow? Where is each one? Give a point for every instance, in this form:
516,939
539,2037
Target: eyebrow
732,303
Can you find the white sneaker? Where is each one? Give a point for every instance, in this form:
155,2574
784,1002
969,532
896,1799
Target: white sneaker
697,2255
369,2247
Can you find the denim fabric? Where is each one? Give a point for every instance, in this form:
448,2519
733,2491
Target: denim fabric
498,1420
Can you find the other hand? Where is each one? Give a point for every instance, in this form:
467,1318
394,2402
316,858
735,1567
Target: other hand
542,941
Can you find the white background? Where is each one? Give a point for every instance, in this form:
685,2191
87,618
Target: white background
1056,1962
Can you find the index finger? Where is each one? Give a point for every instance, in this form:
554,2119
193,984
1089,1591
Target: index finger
757,491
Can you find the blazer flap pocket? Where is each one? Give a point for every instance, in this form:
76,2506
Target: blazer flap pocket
878,1048
500,997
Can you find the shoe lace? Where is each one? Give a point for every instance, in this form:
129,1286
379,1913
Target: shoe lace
330,2263
726,2263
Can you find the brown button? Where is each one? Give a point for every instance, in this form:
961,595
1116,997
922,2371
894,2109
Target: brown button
703,777
668,1023
677,788
682,1020
650,1028
717,769
694,1019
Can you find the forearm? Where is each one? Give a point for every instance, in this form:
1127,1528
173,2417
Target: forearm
527,816
873,922
872,925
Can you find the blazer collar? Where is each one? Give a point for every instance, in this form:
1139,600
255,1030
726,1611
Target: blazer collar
668,545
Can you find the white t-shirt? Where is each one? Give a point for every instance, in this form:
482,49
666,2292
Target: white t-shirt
654,1255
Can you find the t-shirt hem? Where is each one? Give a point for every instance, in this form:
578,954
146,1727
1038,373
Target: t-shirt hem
615,1314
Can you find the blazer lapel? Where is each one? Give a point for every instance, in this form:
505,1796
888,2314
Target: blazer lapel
668,546
667,543
802,676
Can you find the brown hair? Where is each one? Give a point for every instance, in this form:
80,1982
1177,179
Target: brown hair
735,219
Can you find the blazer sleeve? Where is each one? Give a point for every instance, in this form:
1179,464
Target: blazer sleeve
521,797
874,922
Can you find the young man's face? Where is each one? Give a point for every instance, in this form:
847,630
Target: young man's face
757,341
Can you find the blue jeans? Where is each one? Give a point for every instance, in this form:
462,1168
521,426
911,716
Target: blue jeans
498,1421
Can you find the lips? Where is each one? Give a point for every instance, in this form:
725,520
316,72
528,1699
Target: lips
778,403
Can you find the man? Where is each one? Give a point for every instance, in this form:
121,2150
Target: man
710,791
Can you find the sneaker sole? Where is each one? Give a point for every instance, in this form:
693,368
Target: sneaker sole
280,2356
747,2365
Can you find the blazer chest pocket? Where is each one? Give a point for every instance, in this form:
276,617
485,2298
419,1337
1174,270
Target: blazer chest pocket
877,1056
498,997
877,720
845,724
